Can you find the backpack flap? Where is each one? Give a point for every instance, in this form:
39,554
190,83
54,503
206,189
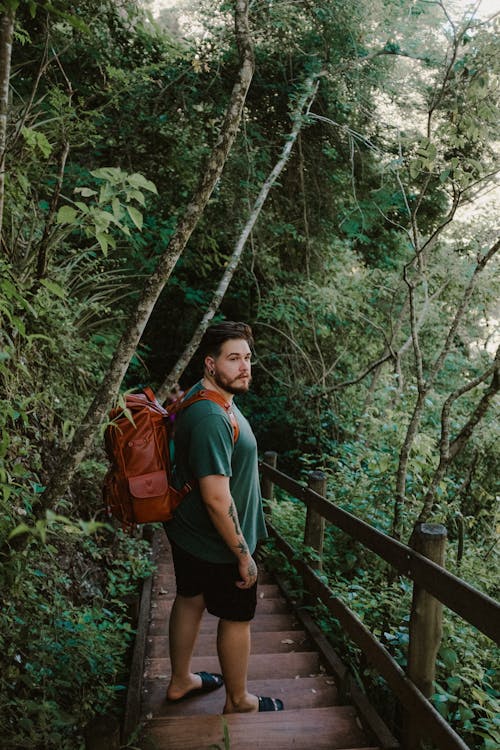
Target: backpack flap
152,498
148,485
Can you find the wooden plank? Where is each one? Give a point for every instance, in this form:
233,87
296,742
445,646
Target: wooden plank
266,622
267,642
264,607
132,706
319,728
260,665
305,692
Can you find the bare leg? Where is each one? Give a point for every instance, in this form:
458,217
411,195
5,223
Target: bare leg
233,647
183,630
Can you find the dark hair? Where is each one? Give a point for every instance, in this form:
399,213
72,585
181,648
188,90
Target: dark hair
217,334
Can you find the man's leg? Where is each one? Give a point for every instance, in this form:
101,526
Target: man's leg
183,630
233,648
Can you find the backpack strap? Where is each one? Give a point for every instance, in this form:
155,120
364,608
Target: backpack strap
149,393
207,395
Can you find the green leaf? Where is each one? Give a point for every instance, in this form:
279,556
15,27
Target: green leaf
102,239
85,192
37,141
138,180
66,215
21,529
54,288
136,216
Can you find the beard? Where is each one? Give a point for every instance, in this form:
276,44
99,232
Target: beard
231,386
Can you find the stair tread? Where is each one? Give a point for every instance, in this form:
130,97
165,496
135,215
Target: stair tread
263,642
333,727
164,586
305,663
163,606
304,692
159,625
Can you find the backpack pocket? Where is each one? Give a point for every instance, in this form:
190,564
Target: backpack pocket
152,498
148,485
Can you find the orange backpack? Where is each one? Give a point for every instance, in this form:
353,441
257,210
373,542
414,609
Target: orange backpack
137,487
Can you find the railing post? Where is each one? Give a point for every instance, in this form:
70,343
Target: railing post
429,539
315,523
267,485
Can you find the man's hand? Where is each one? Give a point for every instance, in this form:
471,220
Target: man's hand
248,572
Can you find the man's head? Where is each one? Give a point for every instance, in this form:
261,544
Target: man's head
226,351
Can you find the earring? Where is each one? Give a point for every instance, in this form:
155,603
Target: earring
211,372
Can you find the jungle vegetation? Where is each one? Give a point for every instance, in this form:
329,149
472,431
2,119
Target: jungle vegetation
325,171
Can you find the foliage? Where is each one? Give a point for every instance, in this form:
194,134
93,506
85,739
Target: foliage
383,203
69,667
467,687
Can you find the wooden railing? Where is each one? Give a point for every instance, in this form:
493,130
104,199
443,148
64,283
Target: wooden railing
433,586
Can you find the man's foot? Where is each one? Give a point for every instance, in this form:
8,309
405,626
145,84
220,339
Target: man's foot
202,682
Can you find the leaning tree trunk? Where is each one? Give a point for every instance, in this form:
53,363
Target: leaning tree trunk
6,34
155,283
185,358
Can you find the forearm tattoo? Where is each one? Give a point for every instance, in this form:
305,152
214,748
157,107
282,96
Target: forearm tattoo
233,515
241,547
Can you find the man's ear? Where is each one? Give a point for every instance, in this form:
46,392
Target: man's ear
209,363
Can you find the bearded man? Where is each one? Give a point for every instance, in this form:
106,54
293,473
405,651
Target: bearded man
215,530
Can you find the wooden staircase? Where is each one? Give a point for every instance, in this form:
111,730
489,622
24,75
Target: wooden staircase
284,664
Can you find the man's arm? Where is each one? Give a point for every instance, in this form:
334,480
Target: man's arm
224,516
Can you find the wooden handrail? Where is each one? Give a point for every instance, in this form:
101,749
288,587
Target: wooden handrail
436,727
477,608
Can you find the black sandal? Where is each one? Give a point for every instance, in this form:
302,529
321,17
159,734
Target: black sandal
270,704
209,681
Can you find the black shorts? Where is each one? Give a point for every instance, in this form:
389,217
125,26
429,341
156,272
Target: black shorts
217,583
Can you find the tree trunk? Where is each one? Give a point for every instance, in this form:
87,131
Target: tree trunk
214,305
155,283
6,34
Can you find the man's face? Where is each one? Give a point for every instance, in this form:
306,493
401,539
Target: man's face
232,367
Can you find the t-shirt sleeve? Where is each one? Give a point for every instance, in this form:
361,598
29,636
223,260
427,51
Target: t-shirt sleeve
211,447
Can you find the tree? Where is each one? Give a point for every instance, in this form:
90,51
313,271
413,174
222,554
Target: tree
8,11
184,359
155,283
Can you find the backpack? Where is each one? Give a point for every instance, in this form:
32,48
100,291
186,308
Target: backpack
137,487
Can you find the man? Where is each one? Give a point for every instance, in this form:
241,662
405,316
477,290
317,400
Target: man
216,528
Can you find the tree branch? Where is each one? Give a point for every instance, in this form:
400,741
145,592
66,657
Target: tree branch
6,36
305,101
449,450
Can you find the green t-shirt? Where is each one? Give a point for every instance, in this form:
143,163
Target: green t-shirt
203,447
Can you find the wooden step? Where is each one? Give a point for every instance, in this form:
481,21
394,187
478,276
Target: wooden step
329,728
165,587
262,643
271,606
260,666
268,622
304,692
282,665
